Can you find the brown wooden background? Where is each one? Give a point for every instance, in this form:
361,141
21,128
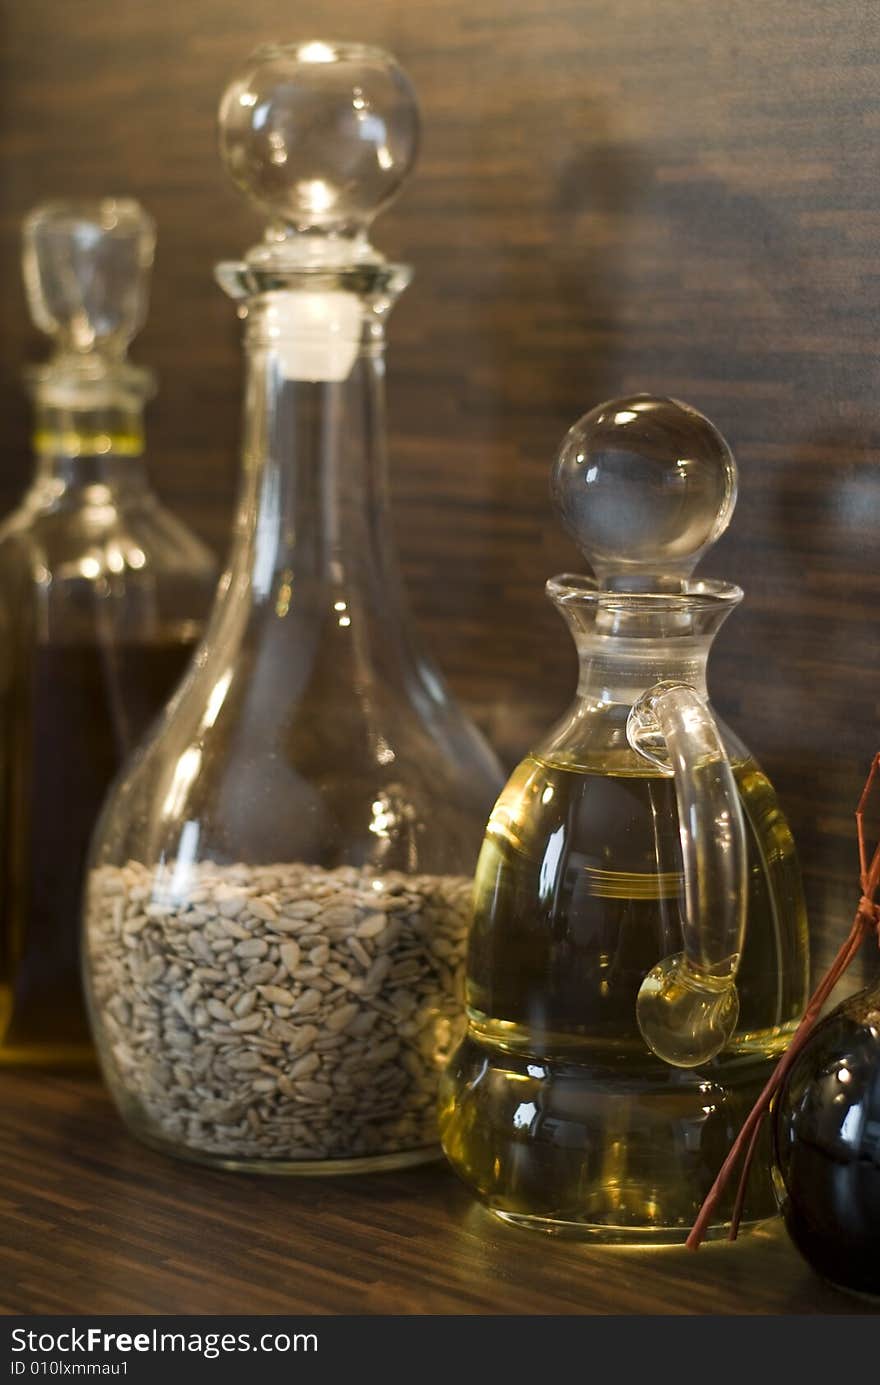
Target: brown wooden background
613,195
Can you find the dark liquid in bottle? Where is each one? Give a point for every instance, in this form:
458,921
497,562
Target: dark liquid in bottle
71,721
828,1147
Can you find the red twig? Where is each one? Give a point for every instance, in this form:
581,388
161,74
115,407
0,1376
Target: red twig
867,920
736,1215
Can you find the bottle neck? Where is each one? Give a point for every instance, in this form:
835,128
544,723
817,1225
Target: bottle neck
627,641
77,447
619,671
627,644
313,523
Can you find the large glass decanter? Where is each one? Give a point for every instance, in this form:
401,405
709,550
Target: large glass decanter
638,955
280,890
103,595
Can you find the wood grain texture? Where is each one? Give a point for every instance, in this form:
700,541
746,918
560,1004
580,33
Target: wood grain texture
95,1223
613,195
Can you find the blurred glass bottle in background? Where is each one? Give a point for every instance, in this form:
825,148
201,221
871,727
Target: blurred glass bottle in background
102,597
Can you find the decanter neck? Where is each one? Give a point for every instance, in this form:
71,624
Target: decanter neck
77,445
615,674
313,521
628,641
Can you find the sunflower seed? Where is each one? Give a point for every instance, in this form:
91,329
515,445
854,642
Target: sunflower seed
275,1012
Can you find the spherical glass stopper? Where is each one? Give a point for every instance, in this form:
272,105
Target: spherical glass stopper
644,485
320,135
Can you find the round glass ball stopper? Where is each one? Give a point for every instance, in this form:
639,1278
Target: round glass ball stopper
319,135
644,485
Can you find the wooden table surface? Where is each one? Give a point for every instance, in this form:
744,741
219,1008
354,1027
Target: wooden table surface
92,1222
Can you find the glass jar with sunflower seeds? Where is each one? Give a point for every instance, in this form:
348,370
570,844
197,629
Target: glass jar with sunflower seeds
280,887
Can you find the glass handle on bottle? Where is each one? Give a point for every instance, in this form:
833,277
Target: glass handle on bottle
687,1007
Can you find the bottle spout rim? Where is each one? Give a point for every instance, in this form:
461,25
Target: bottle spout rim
574,589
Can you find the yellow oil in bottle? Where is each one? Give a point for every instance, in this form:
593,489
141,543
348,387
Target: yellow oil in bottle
554,1111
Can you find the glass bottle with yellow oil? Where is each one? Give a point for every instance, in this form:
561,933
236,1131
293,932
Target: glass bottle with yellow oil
638,953
103,594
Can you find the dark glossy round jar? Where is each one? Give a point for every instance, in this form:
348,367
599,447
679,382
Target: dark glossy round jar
827,1141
